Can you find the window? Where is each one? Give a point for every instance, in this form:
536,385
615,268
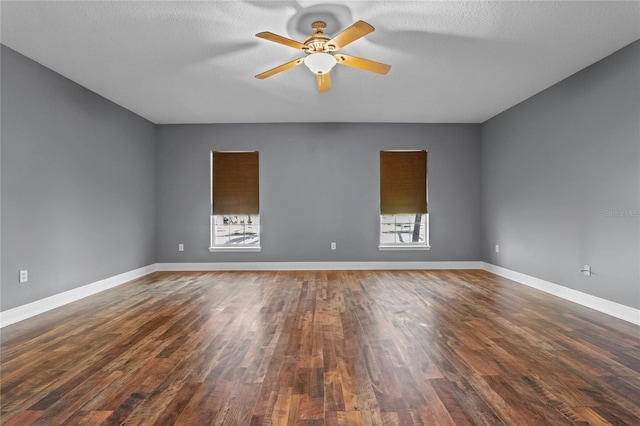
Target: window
235,201
404,218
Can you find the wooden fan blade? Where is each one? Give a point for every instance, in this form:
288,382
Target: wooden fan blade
363,64
351,34
282,40
280,68
324,82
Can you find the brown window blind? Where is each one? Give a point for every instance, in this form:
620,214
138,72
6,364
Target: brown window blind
403,182
235,183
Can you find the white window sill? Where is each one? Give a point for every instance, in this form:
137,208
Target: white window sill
234,249
400,247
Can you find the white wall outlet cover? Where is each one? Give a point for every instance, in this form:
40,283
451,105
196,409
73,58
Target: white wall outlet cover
24,276
497,248
180,247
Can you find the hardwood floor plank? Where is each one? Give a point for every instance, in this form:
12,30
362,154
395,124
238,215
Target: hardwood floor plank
176,404
320,347
90,418
451,402
27,417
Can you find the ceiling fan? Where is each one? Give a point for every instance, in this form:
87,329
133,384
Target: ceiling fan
322,53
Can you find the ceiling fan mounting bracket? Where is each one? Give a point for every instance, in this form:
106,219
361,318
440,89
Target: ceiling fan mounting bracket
317,41
319,26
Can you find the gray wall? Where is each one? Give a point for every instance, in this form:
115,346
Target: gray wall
90,190
561,181
318,183
78,184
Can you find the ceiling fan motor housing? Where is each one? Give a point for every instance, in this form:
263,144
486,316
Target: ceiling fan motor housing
316,42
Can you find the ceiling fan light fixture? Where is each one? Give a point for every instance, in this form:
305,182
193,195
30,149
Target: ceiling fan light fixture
320,62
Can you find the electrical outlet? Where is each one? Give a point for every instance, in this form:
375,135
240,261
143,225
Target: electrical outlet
586,270
180,247
24,276
333,246
497,248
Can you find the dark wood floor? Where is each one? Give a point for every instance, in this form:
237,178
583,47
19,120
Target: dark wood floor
321,347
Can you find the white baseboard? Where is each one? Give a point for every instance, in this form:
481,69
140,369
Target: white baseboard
23,312
315,266
11,316
608,307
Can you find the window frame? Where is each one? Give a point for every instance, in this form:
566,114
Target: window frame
213,247
425,245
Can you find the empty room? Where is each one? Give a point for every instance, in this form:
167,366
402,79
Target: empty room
320,213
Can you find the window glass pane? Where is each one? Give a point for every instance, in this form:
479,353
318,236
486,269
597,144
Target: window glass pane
403,232
236,230
405,218
252,230
221,232
387,233
236,234
252,237
387,218
403,229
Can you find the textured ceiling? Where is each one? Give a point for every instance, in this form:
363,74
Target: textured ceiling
194,62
